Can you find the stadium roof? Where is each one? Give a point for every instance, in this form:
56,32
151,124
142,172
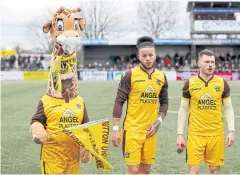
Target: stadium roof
212,4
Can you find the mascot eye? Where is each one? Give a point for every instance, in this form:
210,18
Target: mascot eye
60,25
76,24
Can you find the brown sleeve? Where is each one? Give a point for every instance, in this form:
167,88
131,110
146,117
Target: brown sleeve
39,116
185,90
85,115
226,91
163,98
122,94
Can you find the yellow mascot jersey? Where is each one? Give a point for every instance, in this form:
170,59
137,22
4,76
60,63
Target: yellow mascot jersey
206,98
55,114
143,93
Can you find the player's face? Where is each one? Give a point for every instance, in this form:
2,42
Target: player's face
147,57
207,64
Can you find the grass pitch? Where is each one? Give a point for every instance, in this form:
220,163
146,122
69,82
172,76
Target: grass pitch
19,155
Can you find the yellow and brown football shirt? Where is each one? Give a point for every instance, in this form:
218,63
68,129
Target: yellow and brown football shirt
55,114
206,98
144,93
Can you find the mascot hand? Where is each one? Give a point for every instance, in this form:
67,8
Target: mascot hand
85,155
38,133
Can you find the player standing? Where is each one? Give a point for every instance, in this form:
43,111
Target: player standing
144,88
205,94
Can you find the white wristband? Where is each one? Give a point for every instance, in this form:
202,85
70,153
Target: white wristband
160,119
115,128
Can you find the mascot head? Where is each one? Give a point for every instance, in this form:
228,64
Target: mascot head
65,30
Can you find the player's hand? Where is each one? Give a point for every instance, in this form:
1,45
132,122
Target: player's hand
180,142
40,136
152,129
116,138
230,139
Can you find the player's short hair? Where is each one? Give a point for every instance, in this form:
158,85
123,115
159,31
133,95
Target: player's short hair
205,52
145,42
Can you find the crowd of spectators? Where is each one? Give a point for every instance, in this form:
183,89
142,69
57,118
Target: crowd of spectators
177,62
226,63
22,62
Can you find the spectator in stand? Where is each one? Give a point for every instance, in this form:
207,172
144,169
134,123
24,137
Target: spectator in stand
167,60
233,68
186,66
177,65
162,64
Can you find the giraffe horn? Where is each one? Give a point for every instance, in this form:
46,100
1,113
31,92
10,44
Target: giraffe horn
75,10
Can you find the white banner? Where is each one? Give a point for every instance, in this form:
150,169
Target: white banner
94,75
217,25
171,75
117,75
11,75
99,75
87,75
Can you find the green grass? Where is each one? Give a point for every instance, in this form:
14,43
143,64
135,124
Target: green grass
19,155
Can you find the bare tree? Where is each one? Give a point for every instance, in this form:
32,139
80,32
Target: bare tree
157,16
102,19
36,35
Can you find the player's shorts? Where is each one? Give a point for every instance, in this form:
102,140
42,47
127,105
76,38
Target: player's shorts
137,148
209,148
60,168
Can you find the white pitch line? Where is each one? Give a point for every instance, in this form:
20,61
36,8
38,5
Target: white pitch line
174,97
174,112
237,117
235,94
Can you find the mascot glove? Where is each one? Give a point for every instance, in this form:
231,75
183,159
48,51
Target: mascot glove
38,133
85,155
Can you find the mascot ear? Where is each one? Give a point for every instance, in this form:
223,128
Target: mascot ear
47,26
82,23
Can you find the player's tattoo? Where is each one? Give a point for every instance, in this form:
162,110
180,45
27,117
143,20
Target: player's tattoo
156,125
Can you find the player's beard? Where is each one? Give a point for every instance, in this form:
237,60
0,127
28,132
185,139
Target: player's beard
206,72
147,67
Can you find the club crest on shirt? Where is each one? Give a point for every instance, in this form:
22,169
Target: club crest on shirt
127,154
78,106
217,88
158,82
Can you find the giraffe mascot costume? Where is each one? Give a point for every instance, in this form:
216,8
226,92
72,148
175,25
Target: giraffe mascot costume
61,107
65,29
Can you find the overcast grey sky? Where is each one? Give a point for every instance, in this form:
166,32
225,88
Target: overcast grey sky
15,14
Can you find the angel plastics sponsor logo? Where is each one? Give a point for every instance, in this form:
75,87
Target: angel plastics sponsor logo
68,119
206,102
149,95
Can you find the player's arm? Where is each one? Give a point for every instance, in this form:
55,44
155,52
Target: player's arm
122,95
38,121
163,100
183,109
182,116
228,109
229,113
